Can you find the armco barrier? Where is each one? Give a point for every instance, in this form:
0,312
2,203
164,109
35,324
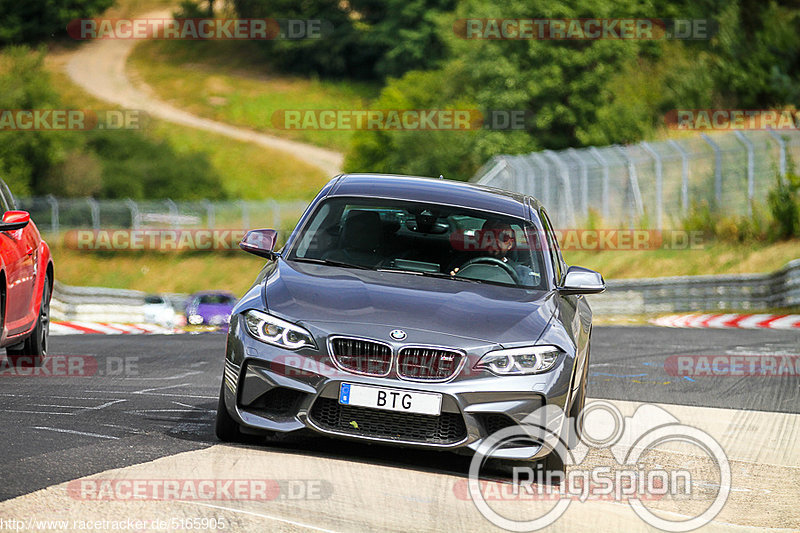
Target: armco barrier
99,304
753,292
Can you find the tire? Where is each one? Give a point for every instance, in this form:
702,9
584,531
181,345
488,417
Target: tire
555,463
226,428
575,410
34,348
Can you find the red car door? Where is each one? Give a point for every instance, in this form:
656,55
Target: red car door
18,249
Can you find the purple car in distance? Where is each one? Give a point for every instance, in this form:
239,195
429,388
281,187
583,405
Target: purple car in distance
210,308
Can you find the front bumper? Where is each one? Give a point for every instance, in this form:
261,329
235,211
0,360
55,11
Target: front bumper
276,390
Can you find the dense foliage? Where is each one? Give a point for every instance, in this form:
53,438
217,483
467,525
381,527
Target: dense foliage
30,21
358,39
589,92
100,163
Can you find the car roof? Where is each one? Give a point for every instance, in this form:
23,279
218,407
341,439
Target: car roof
432,190
211,293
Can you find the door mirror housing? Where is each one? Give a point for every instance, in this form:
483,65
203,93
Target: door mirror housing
579,280
14,220
260,242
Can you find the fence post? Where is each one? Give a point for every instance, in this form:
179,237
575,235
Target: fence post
750,170
584,181
275,209
717,168
528,162
94,208
634,184
510,174
604,164
135,216
209,214
564,173
489,176
524,178
53,213
684,175
173,212
659,184
245,214
782,146
546,185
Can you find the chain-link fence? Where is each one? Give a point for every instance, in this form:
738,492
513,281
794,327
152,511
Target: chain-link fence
649,184
54,215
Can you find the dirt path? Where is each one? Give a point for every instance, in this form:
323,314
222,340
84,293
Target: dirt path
100,68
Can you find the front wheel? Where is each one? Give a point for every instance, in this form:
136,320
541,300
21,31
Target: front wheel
34,348
576,409
226,428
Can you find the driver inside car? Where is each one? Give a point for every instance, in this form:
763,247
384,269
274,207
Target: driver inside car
498,240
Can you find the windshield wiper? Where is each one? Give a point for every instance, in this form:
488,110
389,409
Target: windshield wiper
428,274
329,262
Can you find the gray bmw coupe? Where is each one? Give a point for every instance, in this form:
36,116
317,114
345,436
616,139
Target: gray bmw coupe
409,311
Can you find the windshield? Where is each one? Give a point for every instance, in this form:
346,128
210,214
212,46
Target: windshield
217,299
422,239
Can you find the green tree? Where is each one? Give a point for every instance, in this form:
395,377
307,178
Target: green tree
26,156
30,21
359,39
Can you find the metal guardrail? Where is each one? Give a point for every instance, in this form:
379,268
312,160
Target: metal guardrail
653,182
96,304
54,215
751,292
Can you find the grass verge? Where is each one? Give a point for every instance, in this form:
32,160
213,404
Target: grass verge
713,258
249,171
229,82
157,272
235,271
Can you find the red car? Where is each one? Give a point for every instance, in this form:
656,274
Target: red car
26,284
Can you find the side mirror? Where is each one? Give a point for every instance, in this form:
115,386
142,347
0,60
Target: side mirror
14,220
581,280
260,242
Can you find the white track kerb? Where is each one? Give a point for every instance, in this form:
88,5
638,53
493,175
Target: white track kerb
729,320
630,440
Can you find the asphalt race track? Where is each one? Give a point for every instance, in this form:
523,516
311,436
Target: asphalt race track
152,398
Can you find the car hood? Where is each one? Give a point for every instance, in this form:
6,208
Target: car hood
308,293
214,309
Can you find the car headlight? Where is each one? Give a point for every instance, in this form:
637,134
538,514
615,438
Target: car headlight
520,361
195,320
277,332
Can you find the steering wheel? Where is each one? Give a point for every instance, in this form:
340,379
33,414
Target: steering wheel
494,262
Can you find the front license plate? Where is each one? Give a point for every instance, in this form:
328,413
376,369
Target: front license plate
424,403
